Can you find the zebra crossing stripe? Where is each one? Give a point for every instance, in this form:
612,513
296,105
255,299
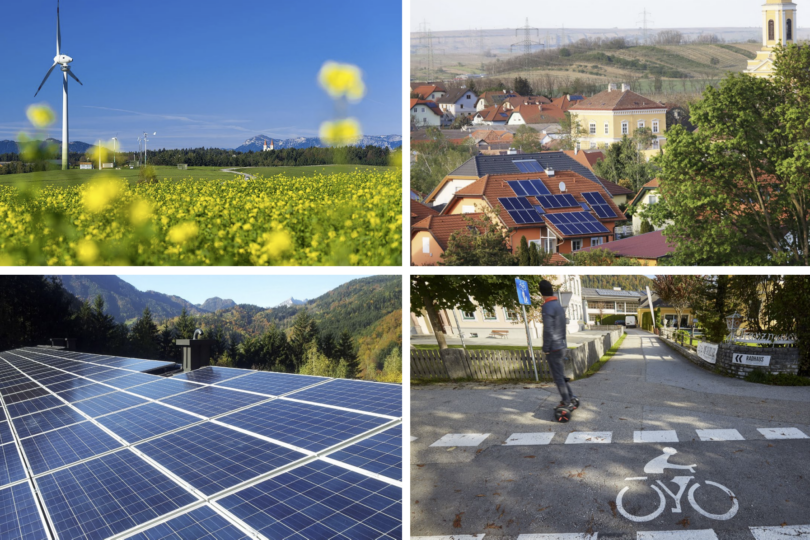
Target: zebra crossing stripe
719,435
564,536
529,439
662,436
781,533
589,437
782,433
700,534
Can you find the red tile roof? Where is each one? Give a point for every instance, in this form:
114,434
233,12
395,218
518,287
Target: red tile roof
430,105
426,90
539,114
616,100
643,246
614,188
442,227
420,211
649,186
496,113
564,103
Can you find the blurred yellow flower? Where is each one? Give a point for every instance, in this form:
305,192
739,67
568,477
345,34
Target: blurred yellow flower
277,243
341,132
342,80
140,212
183,232
41,116
100,193
87,252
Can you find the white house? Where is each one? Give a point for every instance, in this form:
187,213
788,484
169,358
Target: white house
647,196
425,113
460,102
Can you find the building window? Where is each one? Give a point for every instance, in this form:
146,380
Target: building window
593,145
468,315
596,241
425,245
593,128
625,128
652,199
510,314
641,124
656,145
771,30
468,209
607,128
576,245
423,109
462,105
655,126
789,32
490,315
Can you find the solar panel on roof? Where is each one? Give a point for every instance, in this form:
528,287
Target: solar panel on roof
75,382
150,365
146,421
210,401
530,165
599,204
132,379
306,426
5,433
19,387
576,223
85,392
211,375
163,388
558,201
380,453
520,210
364,396
11,466
346,504
19,515
212,458
528,188
28,394
203,523
65,446
271,384
108,403
109,495
48,420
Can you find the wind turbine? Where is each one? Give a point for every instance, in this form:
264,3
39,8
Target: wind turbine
63,61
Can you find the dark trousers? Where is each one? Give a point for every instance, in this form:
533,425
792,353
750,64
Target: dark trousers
555,362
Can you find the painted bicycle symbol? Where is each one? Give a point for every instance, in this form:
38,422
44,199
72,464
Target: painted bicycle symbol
657,466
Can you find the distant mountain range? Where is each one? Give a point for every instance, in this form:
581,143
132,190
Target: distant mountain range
256,144
10,147
215,304
292,302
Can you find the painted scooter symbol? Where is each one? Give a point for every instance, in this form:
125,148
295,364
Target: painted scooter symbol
657,466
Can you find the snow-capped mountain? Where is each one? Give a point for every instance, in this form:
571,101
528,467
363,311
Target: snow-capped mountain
292,302
256,143
10,147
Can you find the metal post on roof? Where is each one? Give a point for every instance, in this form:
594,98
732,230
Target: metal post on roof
196,352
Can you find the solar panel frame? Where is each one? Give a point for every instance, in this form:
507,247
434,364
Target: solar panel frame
28,384
19,513
76,382
211,375
109,403
564,200
65,446
203,523
132,379
520,210
47,420
12,468
163,388
271,384
23,396
6,436
364,396
599,204
150,365
211,401
146,421
85,392
379,454
576,223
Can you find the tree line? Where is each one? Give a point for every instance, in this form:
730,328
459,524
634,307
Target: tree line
286,157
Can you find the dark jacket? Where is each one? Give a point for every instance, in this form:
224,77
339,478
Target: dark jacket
553,326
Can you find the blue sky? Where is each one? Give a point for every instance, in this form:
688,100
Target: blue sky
264,291
202,72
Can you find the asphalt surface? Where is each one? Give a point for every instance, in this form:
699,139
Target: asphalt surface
553,487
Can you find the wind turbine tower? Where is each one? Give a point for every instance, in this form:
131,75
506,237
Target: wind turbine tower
63,61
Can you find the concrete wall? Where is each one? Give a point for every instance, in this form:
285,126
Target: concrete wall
783,359
580,359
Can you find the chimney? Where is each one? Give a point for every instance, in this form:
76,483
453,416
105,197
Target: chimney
576,150
611,87
69,344
617,288
196,352
549,171
625,87
511,152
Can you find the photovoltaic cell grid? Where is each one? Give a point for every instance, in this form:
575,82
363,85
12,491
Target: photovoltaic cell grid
364,396
211,375
5,433
202,523
306,426
320,500
528,188
11,467
520,210
558,201
146,421
210,401
108,495
19,517
271,384
108,403
380,453
28,394
528,165
576,223
34,424
211,457
163,388
85,392
65,446
599,204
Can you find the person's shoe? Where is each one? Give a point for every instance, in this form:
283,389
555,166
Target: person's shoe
574,404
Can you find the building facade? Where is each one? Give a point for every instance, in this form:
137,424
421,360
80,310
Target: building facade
778,28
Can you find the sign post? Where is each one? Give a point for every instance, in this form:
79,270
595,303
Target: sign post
652,308
525,299
460,333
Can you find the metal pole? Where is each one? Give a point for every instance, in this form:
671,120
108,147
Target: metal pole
460,333
99,154
529,337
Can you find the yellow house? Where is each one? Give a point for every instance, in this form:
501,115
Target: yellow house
610,115
669,315
778,27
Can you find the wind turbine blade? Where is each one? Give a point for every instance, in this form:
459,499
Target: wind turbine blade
45,79
74,76
58,31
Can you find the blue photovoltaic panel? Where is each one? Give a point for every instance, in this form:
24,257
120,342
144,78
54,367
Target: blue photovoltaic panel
303,425
520,210
210,401
599,204
19,517
163,388
40,422
65,446
108,375
85,392
11,468
149,365
211,457
203,523
211,375
271,384
576,223
13,381
132,379
75,382
146,421
22,386
34,405
320,500
108,403
28,394
359,395
524,188
380,454
558,201
5,433
123,363
108,495
528,166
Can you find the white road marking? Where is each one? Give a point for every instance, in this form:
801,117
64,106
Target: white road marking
781,533
563,536
663,436
782,433
413,438
527,439
584,437
701,534
719,435
451,537
461,439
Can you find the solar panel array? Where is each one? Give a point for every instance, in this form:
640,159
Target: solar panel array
520,210
599,204
529,165
91,447
576,223
528,188
558,201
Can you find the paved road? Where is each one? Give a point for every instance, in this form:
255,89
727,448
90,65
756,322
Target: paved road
246,176
524,474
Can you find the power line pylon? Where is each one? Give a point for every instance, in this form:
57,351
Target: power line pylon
645,23
526,43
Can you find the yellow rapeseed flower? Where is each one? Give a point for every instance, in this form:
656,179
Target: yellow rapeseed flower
277,243
341,80
341,132
41,116
140,212
100,193
87,252
183,232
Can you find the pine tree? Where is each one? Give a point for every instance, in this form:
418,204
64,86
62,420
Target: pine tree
524,256
144,336
304,332
186,325
345,351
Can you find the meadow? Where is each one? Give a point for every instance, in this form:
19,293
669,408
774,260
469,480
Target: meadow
353,217
75,177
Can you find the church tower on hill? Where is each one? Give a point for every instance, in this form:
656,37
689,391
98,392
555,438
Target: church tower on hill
778,27
268,148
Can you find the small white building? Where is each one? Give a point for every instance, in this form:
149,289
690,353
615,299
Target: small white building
457,103
425,113
85,165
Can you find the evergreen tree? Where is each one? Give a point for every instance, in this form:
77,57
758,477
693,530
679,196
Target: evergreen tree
144,336
346,352
304,332
276,354
167,350
525,257
186,325
327,345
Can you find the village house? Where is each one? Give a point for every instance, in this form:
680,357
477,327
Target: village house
429,92
425,113
458,103
648,249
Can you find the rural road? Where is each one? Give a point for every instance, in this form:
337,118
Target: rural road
232,171
517,474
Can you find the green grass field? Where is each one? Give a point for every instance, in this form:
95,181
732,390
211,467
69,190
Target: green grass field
307,171
75,177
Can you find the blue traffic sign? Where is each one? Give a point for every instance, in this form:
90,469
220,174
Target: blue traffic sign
523,292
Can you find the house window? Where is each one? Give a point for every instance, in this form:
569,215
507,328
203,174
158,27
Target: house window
576,245
490,315
607,128
423,109
468,96
655,126
652,199
625,128
656,145
593,145
468,209
771,30
425,245
789,33
593,128
510,315
468,315
596,241
462,105
641,124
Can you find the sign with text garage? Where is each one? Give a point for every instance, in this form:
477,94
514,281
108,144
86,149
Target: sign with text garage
751,359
